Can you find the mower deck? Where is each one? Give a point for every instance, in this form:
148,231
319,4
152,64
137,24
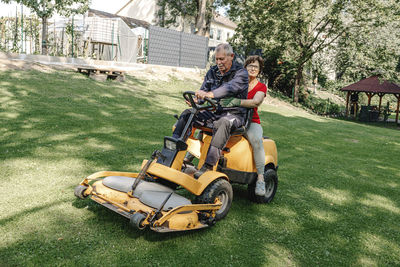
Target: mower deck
163,210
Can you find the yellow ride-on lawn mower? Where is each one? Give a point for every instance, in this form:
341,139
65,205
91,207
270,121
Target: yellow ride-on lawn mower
150,197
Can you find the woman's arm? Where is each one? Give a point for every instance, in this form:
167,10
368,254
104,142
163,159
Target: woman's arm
254,102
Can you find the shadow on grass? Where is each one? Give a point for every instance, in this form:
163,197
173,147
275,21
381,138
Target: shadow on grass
381,124
80,113
337,201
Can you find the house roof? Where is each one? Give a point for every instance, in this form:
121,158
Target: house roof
131,22
224,21
373,85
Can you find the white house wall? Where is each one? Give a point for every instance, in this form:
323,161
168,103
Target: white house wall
215,27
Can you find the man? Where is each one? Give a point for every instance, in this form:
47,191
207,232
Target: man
226,79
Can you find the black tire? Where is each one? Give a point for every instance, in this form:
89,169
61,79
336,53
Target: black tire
137,220
79,191
271,185
222,189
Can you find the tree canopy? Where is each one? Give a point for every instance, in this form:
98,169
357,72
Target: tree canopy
200,12
293,32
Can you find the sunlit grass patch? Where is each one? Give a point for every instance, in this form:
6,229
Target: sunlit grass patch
324,215
337,203
334,196
380,202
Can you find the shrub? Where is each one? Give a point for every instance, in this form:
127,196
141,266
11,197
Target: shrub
318,105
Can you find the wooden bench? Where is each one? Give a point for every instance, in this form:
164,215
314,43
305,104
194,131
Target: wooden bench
102,74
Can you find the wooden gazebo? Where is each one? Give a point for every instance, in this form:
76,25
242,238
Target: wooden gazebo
373,86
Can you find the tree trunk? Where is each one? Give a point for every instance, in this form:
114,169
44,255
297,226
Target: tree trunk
297,83
15,42
203,18
44,35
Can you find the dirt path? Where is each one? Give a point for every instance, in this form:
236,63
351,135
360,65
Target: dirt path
150,72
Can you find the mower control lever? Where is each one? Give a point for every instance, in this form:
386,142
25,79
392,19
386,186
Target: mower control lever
158,211
143,171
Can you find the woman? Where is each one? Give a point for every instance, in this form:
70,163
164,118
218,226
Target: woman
256,94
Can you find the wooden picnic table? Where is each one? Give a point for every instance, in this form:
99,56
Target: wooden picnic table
102,73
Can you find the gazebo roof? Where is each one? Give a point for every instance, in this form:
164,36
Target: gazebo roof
373,85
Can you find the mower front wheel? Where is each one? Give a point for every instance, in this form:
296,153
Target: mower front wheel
79,191
271,185
220,189
137,220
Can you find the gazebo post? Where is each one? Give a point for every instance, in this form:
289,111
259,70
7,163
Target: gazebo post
355,104
355,109
347,103
398,104
370,95
380,101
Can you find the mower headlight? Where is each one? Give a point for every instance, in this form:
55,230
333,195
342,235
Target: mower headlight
170,144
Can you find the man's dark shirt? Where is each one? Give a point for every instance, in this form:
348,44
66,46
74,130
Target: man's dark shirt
234,83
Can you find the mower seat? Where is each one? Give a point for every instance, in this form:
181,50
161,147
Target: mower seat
207,129
242,130
239,131
150,194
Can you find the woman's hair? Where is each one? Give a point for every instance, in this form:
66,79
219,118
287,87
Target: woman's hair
255,58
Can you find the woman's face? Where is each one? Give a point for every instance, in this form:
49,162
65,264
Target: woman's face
253,69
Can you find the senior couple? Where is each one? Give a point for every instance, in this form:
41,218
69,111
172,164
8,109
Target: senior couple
234,86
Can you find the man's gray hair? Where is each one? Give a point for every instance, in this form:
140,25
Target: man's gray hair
225,47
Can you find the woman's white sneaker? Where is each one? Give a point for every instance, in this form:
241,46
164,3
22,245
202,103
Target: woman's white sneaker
260,188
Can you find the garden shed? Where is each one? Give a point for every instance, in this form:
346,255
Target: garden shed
371,86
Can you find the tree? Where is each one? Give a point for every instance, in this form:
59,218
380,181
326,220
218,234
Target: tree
361,53
45,9
171,11
301,28
200,11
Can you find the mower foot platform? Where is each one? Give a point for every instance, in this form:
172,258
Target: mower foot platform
149,193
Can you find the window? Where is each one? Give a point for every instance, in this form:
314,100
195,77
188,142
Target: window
228,35
211,33
219,33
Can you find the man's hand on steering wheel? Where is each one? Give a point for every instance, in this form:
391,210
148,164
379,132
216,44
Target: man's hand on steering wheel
200,94
193,101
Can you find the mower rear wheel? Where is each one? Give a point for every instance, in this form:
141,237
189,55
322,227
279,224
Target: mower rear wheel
79,191
271,185
220,189
137,220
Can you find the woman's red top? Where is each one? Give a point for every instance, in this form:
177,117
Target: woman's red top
260,87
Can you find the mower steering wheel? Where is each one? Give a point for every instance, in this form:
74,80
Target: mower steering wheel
188,96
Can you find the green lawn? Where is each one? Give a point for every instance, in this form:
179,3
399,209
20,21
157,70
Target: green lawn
338,200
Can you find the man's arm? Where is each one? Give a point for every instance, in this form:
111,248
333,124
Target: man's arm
205,88
234,87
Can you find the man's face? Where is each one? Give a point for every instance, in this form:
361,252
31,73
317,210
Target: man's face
224,61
